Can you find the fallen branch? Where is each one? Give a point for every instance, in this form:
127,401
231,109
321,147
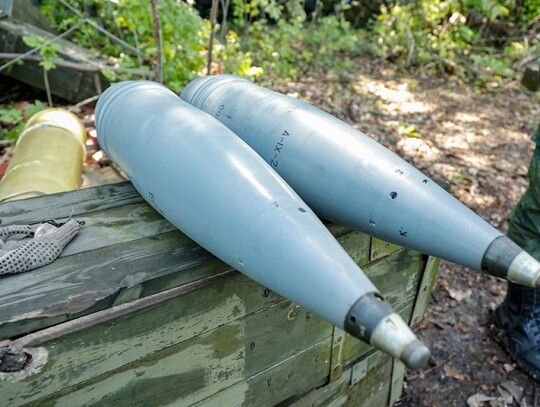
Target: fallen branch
83,103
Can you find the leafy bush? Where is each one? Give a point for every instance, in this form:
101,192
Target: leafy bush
271,39
185,34
268,36
12,118
291,48
48,51
450,35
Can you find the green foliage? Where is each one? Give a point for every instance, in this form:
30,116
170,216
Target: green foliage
449,36
47,51
236,60
271,39
276,40
268,36
12,119
10,115
528,11
184,35
33,108
246,11
291,49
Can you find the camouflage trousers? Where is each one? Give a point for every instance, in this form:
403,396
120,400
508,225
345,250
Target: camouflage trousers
525,221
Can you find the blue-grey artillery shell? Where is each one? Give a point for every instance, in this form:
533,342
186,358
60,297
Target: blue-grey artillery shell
218,191
351,179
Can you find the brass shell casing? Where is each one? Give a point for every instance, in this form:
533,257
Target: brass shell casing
48,156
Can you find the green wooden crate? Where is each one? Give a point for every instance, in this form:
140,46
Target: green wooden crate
135,313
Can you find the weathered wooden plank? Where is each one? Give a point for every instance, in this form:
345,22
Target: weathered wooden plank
424,291
113,225
357,246
278,384
144,360
397,379
77,285
117,225
374,389
68,204
397,276
371,390
380,249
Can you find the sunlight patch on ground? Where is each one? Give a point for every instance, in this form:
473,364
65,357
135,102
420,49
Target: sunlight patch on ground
448,171
417,147
477,199
452,96
466,117
397,96
461,141
476,160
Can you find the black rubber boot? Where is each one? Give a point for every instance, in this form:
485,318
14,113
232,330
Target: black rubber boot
517,321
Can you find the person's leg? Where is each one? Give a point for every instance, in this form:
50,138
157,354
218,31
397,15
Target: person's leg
518,317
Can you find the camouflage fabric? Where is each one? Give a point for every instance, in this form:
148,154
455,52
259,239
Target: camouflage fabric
525,221
517,319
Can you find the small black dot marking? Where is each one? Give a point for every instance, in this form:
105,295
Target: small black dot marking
302,210
393,195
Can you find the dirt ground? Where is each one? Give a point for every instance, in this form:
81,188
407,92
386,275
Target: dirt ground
477,141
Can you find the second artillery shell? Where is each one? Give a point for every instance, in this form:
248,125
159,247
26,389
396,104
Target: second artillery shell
349,178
